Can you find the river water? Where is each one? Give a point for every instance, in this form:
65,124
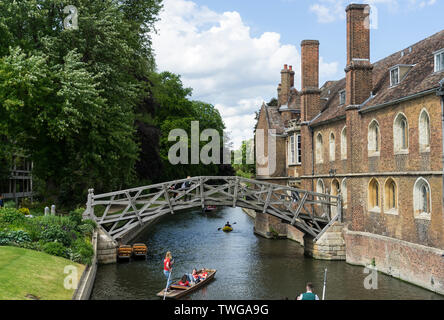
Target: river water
248,266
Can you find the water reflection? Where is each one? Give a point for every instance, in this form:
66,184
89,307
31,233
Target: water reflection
248,266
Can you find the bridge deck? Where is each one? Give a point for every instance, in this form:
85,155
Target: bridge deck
121,211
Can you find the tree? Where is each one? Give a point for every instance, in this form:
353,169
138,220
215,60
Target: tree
68,97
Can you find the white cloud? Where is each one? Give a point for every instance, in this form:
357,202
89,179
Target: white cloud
224,64
332,10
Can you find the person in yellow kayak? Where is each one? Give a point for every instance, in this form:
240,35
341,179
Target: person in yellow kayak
228,225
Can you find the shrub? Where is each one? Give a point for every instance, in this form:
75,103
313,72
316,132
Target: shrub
55,233
82,251
10,204
11,215
86,229
55,249
24,211
76,216
14,237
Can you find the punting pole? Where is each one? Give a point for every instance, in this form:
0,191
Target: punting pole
325,284
168,281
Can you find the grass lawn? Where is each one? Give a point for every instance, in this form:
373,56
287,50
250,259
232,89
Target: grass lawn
24,272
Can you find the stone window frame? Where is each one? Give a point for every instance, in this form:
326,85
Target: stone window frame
321,185
418,199
342,97
333,209
395,209
332,147
344,193
292,150
319,150
438,67
398,131
374,196
298,142
344,143
377,150
424,148
398,80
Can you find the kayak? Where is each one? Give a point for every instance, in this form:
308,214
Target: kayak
177,291
210,208
227,229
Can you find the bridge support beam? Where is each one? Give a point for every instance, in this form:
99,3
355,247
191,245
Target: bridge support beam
330,246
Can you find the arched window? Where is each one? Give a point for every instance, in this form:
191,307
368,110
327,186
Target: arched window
401,134
334,191
422,201
344,143
344,193
373,195
424,131
332,147
390,196
319,149
374,139
320,188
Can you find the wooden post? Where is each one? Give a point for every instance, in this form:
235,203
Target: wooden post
267,202
340,209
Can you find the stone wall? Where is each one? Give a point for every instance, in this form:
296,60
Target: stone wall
414,263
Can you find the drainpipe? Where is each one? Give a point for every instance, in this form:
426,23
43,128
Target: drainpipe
440,92
312,157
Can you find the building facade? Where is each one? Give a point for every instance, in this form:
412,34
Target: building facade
376,138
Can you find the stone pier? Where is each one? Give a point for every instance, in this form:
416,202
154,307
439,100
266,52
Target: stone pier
330,246
106,248
271,227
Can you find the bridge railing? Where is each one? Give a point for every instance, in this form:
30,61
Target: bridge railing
121,211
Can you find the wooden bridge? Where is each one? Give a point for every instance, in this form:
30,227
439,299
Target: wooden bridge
118,213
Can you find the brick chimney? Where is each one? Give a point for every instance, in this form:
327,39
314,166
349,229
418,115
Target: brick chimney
287,82
358,69
310,94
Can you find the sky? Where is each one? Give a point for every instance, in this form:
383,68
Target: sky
231,51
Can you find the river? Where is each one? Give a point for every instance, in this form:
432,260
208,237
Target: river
248,266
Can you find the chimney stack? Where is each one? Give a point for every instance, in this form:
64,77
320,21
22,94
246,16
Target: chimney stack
310,94
287,82
358,69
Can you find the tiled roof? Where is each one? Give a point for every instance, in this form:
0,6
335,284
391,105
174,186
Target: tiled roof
421,77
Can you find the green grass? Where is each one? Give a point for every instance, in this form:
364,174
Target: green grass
24,272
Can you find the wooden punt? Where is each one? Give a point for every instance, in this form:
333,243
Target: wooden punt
140,250
124,252
177,292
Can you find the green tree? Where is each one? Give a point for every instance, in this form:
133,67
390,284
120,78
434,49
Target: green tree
68,97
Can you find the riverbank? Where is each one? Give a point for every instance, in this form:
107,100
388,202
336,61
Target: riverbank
28,275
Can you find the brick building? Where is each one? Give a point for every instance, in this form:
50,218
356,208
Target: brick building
375,137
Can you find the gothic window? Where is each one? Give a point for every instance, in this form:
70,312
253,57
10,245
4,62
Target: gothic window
424,131
374,139
422,202
344,143
344,193
373,195
401,134
334,191
390,196
332,147
319,149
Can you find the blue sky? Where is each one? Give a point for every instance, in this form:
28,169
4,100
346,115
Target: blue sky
231,52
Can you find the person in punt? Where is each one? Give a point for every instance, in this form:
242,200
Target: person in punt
184,281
